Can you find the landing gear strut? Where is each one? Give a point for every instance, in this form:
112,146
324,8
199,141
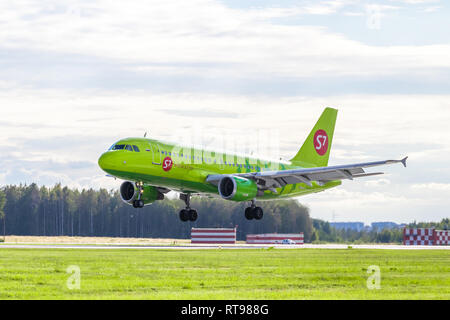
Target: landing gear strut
253,212
188,213
138,203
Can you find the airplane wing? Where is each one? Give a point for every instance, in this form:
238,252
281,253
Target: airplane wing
269,180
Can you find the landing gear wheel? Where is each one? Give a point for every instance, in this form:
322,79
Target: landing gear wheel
192,214
184,215
188,213
249,213
254,213
258,213
138,204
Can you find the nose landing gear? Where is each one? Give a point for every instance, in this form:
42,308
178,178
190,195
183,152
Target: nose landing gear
138,203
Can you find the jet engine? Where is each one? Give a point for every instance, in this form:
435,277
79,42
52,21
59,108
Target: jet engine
237,188
129,193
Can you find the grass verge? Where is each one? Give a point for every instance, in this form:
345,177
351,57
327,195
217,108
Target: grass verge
224,274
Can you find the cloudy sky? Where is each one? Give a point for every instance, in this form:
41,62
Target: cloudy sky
76,76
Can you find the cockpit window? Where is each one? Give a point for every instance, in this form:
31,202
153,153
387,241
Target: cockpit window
125,147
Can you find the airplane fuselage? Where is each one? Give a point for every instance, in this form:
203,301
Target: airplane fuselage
162,164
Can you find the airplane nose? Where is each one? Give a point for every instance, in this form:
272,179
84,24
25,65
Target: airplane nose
105,162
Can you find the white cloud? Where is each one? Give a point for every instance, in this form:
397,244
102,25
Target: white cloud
326,7
432,9
205,32
377,183
416,1
444,187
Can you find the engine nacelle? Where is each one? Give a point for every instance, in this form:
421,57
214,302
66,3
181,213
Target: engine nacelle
129,192
237,188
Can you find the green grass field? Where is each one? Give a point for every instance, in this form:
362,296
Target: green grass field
224,274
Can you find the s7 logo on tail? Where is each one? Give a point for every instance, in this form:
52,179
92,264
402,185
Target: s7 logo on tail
321,142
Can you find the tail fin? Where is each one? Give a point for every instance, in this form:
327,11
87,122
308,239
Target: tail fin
316,149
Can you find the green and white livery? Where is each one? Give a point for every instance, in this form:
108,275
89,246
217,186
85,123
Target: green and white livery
152,168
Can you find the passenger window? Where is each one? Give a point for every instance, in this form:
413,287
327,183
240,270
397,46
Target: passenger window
135,148
119,147
129,148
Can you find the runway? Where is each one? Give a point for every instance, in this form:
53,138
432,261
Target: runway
213,246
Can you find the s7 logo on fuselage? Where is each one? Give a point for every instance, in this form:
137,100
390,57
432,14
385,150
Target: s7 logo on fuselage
167,164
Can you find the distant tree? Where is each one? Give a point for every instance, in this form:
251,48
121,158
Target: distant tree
315,236
2,203
2,212
43,210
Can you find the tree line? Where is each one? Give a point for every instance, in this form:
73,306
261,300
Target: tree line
63,211
323,232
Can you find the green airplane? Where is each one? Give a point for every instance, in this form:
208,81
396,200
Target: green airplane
152,168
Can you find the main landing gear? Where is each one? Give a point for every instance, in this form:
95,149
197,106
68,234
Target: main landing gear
138,203
187,214
253,212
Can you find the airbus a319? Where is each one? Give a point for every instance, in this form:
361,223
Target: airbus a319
152,168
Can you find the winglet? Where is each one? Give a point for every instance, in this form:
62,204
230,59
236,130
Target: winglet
404,161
